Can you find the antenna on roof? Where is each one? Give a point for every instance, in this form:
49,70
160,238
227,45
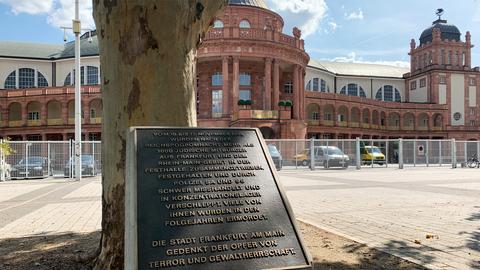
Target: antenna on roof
439,13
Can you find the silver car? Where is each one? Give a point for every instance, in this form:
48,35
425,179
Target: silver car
330,156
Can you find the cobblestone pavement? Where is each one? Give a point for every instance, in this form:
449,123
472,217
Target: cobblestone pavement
430,216
49,206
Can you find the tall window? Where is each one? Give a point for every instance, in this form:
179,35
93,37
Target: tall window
33,116
413,85
92,75
26,78
443,57
245,95
244,24
388,93
353,89
323,85
217,109
217,79
442,79
315,84
10,82
423,82
288,88
245,79
217,24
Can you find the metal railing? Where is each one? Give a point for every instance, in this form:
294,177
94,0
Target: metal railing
368,153
41,159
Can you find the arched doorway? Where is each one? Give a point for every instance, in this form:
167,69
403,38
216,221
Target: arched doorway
267,133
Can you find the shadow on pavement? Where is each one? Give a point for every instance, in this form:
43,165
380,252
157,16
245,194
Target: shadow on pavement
64,251
473,241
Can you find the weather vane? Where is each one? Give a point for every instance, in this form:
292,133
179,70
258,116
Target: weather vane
439,13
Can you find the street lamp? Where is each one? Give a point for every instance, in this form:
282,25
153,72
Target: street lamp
76,27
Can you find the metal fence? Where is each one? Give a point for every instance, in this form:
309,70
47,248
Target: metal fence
40,159
374,153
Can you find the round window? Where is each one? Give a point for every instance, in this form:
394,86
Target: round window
457,116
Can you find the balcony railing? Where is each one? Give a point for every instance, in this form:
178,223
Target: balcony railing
15,123
255,114
354,124
393,128
342,123
264,114
312,122
33,123
408,128
437,128
71,121
422,128
365,125
327,123
54,122
95,120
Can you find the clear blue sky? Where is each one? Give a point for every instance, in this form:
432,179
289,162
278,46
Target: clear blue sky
349,30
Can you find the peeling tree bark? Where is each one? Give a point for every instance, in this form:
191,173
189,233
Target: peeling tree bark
147,55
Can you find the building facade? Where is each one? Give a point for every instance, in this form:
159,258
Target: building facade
251,74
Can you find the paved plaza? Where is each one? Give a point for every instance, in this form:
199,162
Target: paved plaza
394,210
389,209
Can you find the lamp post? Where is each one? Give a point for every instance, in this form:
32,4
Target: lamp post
76,27
78,109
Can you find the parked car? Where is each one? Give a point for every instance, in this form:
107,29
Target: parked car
276,156
90,166
326,156
30,167
370,153
303,158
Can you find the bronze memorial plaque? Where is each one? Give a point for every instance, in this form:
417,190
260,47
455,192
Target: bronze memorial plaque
206,198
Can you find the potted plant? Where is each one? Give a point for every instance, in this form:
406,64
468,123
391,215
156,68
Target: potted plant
288,105
281,104
248,103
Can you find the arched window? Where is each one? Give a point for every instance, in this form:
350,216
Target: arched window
217,24
68,80
92,76
245,79
388,93
315,84
42,82
244,24
217,79
26,78
353,89
10,81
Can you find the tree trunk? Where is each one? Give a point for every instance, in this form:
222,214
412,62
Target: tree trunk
147,55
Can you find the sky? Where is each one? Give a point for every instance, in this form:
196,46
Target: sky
364,31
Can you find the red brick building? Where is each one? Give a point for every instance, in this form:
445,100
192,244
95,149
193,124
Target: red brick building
247,56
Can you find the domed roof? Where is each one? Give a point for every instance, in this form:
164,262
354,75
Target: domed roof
253,3
448,31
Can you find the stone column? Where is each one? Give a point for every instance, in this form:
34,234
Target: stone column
296,93
64,112
235,84
43,114
225,92
24,113
268,84
276,84
301,92
5,116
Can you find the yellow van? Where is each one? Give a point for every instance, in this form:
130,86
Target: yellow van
372,152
